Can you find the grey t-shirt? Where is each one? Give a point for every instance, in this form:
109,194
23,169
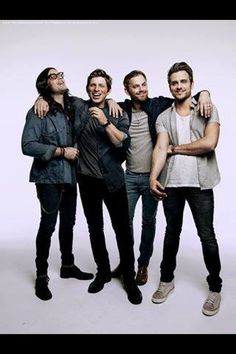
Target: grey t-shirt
139,154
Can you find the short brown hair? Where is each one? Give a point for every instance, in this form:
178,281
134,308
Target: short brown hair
100,73
132,74
179,67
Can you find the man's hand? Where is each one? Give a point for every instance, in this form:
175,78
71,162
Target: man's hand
170,150
41,107
98,114
71,153
114,109
157,190
205,104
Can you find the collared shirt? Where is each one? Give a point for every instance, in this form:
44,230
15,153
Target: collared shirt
108,156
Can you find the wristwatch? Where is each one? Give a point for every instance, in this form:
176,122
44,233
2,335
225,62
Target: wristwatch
107,123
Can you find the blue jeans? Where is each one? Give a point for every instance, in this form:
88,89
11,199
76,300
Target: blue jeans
201,203
54,199
137,184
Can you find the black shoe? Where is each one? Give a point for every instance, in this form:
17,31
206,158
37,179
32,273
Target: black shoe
142,276
98,284
41,288
74,272
117,272
133,292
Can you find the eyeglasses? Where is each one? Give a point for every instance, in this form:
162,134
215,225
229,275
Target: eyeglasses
54,76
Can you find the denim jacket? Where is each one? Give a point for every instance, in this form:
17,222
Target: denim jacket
40,139
110,156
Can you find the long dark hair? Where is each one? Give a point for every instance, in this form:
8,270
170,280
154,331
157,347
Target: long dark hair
44,91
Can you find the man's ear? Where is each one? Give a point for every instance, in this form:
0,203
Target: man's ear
126,91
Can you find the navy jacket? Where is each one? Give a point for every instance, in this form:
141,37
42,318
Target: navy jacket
153,107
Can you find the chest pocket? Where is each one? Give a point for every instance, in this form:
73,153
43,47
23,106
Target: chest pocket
53,134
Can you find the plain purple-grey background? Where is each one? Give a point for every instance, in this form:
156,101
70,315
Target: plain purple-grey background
118,46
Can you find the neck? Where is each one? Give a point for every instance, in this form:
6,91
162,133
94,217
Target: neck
59,99
137,106
99,105
183,108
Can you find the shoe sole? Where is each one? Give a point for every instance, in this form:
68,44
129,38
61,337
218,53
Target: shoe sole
210,313
67,277
159,301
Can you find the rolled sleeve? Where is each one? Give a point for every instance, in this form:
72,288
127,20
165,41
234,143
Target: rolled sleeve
31,139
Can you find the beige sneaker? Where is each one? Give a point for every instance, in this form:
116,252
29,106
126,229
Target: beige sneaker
163,291
212,304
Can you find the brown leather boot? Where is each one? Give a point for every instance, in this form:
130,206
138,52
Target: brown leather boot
142,276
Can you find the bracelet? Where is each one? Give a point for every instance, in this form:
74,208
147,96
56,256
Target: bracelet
62,154
107,123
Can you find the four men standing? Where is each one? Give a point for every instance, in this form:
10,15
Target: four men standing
185,142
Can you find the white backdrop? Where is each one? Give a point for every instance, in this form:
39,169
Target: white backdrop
78,47
119,46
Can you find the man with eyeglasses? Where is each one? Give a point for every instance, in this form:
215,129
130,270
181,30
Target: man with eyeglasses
103,140
50,142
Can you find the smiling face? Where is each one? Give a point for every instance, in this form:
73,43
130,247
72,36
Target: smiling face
180,85
137,89
97,90
56,82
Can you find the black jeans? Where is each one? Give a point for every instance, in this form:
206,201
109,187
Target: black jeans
201,203
93,192
55,198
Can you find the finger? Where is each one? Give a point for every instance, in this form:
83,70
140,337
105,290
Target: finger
201,110
209,111
120,111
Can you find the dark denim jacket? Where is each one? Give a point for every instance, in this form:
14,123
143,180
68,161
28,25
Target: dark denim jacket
39,139
110,156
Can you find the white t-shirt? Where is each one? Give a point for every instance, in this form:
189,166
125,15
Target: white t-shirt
184,172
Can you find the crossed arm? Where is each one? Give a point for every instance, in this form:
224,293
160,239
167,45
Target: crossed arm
162,148
201,146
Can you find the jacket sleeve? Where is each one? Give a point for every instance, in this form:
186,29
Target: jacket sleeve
32,142
123,125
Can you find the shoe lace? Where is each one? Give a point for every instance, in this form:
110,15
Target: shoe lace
211,299
162,287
